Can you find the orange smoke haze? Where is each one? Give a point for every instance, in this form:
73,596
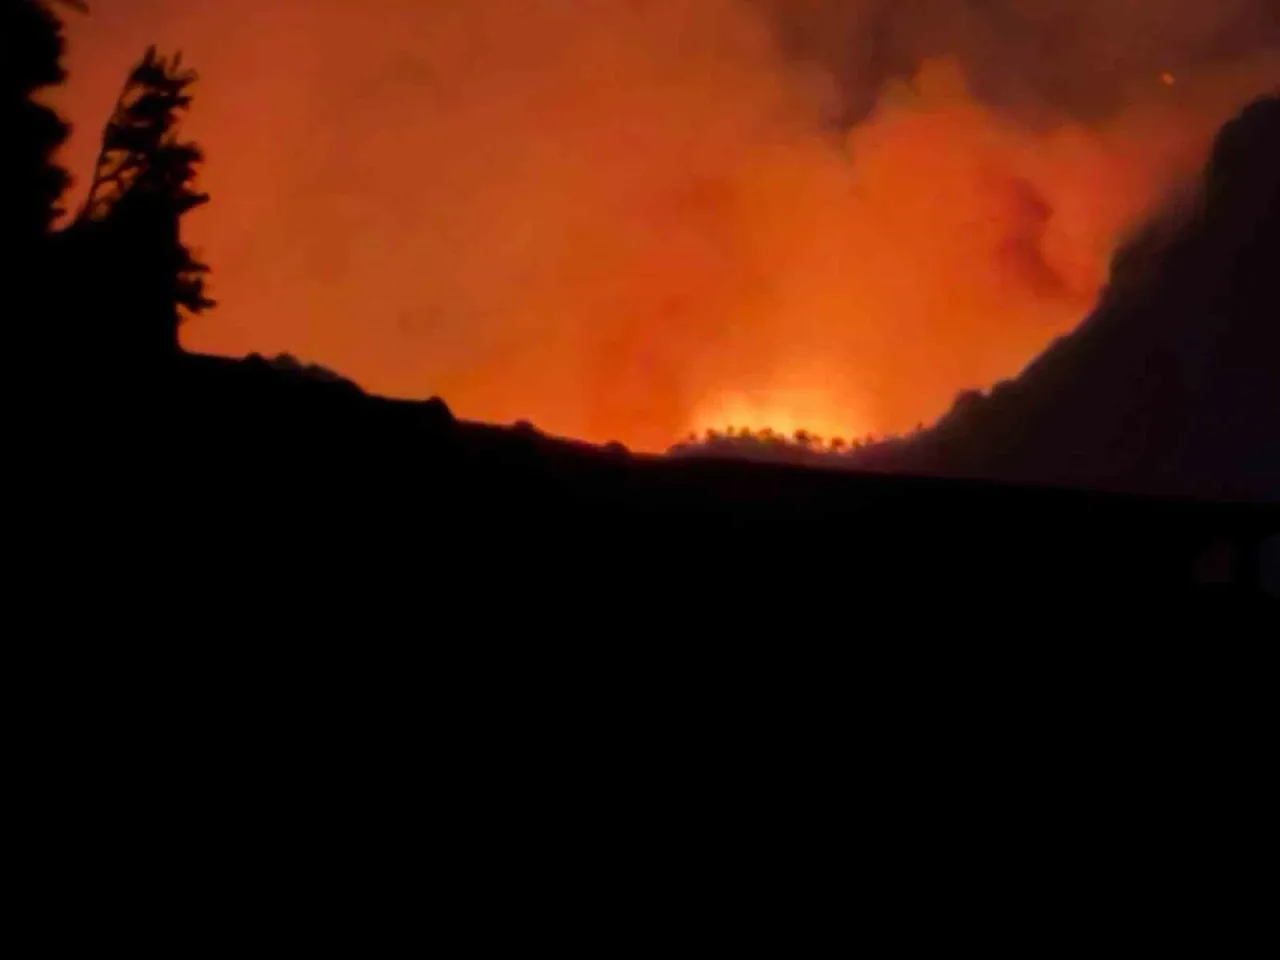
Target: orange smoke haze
628,220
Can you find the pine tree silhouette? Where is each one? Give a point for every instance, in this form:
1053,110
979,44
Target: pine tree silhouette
129,226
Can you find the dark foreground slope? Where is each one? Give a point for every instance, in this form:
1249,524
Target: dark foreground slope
505,673
355,662
281,472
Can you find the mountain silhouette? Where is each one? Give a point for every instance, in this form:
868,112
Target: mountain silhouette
1171,385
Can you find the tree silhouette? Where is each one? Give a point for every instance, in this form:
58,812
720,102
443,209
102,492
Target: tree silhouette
31,49
129,226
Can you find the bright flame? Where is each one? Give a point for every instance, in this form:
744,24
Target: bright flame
784,411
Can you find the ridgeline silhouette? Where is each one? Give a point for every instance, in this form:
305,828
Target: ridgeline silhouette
1168,388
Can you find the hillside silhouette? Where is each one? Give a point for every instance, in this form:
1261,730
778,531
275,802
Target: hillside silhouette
1168,387
1060,483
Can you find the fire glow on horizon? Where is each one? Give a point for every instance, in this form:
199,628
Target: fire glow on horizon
628,221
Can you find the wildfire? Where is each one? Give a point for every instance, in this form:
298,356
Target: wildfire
626,221
784,412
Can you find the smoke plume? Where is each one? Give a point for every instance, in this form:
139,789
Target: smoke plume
628,220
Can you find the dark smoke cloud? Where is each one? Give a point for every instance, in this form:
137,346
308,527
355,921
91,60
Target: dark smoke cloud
1084,58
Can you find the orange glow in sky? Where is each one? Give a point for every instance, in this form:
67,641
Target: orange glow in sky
627,221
